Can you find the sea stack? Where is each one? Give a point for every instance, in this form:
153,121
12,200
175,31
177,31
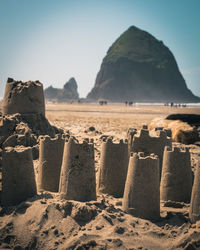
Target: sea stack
68,93
140,68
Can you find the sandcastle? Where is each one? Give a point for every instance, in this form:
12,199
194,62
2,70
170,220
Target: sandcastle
113,168
176,180
68,166
23,119
77,179
130,133
50,161
18,179
22,122
143,142
194,212
23,97
142,188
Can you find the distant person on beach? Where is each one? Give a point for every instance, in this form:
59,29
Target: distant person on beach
130,103
103,103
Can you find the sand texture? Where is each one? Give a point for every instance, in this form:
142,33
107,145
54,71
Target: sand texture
46,221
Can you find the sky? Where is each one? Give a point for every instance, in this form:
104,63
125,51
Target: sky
54,40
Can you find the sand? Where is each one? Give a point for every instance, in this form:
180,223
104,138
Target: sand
110,119
47,222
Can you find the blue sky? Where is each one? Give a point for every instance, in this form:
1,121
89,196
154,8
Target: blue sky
53,40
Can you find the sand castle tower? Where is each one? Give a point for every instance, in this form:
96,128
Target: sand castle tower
78,180
143,142
176,180
142,188
50,161
130,133
194,213
23,97
18,178
113,168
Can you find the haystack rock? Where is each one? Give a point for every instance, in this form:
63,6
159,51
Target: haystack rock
140,68
67,93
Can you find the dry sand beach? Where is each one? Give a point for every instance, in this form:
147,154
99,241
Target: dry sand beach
112,119
47,222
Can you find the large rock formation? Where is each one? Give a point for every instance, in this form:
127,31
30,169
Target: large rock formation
67,93
138,67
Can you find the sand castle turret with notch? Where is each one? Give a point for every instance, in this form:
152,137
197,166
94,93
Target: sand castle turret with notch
50,161
142,188
23,97
77,179
144,142
176,179
113,167
18,178
130,134
194,212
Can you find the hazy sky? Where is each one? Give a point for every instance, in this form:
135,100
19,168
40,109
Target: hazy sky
53,40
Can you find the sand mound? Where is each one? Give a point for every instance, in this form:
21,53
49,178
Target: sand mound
45,222
24,130
181,131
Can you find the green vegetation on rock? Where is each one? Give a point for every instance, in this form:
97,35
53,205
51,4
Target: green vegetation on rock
137,45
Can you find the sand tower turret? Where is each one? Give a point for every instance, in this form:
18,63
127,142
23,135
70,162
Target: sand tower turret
23,97
113,167
144,142
194,213
142,188
130,133
77,179
50,161
18,179
176,179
